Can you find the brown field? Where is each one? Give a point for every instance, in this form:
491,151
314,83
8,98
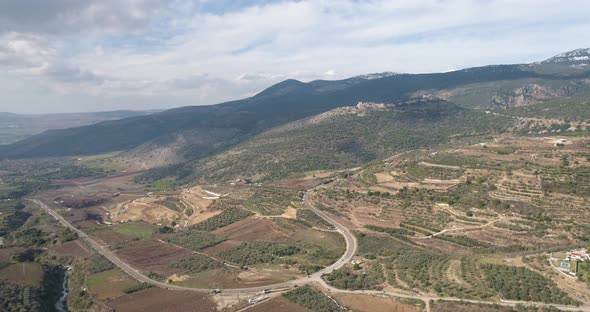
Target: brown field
142,210
442,245
153,256
160,300
229,278
215,249
7,253
24,273
151,210
109,284
503,237
328,240
96,187
72,249
367,303
447,306
278,304
253,229
109,237
307,182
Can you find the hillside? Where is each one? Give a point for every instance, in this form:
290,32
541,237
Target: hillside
349,137
482,88
15,127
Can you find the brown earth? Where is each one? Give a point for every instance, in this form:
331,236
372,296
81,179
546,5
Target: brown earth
109,284
232,278
160,300
7,253
153,256
109,237
216,249
72,249
253,229
142,210
24,273
278,304
367,303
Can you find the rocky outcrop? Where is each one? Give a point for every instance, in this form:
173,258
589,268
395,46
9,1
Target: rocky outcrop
530,94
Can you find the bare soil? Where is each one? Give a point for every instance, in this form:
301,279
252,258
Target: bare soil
160,300
253,229
72,249
153,256
216,249
278,304
7,253
367,303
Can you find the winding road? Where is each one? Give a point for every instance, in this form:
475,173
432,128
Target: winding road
351,249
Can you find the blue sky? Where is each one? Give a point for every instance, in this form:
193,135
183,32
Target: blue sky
97,55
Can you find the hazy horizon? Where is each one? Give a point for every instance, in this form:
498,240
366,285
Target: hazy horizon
88,56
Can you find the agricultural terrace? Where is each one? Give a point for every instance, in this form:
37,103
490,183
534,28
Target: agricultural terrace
467,222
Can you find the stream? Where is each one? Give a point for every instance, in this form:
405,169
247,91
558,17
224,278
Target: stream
62,304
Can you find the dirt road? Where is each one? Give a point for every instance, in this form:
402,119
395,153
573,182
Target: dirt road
351,249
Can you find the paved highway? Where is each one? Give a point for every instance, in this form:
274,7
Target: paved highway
351,249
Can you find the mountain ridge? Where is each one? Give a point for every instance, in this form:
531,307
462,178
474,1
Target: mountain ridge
283,102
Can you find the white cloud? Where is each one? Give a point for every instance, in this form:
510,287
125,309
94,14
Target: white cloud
138,53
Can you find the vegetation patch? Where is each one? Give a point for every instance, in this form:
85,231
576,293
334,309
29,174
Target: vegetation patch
372,245
367,279
462,240
195,240
197,263
313,299
225,218
135,230
517,283
171,203
12,216
397,233
258,252
272,200
312,219
98,264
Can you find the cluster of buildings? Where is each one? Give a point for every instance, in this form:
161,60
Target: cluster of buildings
569,263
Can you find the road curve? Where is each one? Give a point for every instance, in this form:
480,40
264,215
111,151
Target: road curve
351,247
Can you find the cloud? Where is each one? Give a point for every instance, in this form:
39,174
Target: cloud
60,17
24,52
135,53
64,72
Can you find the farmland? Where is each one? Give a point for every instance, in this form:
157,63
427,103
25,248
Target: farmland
464,222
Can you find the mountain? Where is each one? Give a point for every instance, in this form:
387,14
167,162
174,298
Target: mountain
577,58
190,130
348,137
15,127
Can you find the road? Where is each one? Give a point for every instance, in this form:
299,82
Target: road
351,249
349,238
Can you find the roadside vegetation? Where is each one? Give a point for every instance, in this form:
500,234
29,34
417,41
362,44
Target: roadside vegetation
195,240
313,299
225,218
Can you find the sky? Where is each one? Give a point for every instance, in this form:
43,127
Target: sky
98,55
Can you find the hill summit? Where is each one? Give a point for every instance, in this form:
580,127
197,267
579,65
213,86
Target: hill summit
578,57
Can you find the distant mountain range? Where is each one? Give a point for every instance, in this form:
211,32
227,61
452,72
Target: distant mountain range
191,134
15,127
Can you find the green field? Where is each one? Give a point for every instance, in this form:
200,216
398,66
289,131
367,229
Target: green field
23,273
135,230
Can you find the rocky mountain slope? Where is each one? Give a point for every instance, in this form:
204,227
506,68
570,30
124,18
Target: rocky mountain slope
230,123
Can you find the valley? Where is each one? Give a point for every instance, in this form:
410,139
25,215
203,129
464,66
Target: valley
469,195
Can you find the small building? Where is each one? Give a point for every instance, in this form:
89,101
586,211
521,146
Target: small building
565,265
577,254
